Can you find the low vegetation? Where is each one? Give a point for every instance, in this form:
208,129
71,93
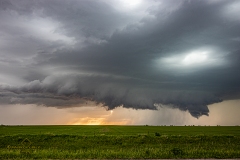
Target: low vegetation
108,142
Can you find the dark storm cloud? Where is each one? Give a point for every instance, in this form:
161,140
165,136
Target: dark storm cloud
109,91
184,54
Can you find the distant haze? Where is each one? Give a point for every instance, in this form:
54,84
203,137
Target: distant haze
225,114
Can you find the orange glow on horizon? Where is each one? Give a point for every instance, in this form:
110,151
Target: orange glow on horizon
99,116
96,121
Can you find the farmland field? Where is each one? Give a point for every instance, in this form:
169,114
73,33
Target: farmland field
108,142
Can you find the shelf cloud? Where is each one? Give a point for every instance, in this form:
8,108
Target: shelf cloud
138,54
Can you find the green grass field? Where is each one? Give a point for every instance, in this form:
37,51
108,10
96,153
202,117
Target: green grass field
108,142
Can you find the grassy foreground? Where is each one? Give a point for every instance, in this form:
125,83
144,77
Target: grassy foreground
108,142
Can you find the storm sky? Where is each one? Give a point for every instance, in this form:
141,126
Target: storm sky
120,54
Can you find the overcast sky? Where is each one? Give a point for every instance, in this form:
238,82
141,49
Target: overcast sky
141,54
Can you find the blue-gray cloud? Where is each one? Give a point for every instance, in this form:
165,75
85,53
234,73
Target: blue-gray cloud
183,54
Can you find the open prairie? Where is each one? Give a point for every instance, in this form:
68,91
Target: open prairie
119,142
83,130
